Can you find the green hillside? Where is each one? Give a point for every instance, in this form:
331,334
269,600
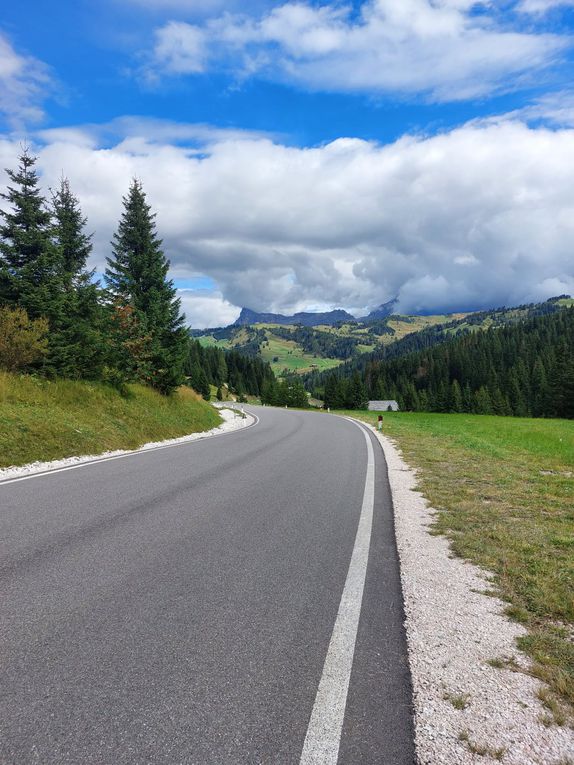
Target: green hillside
311,350
303,350
46,420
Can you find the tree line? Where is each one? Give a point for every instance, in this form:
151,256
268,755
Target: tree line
243,375
57,320
523,369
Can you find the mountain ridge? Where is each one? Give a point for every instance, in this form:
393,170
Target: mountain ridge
305,318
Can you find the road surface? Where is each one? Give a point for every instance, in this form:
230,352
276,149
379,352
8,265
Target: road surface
195,605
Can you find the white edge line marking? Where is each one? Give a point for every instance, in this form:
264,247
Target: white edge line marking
131,453
323,736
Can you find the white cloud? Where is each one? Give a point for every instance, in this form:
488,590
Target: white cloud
180,48
24,83
207,309
541,6
438,48
480,216
556,109
134,128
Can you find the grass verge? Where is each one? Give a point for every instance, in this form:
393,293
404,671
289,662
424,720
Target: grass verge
47,420
504,491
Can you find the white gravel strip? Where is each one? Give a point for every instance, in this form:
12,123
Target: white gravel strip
232,420
452,630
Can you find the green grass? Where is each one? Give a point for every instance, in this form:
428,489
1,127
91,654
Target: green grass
291,356
504,491
208,341
46,420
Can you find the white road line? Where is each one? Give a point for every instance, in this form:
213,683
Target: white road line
132,453
323,737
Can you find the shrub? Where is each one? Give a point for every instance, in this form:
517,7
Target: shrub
23,341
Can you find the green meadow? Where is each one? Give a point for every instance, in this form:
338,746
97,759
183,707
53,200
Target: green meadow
504,491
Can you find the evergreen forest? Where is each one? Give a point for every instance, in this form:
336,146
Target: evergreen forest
524,369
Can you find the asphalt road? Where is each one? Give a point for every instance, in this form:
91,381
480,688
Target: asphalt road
178,606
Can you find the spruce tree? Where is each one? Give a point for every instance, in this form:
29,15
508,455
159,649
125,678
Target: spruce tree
137,276
80,352
30,272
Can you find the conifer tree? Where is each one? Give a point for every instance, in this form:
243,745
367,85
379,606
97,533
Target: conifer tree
80,350
137,276
30,273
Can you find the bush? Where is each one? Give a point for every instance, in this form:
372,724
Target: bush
23,341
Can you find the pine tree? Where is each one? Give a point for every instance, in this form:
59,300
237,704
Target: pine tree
137,276
358,397
30,268
80,350
540,393
483,401
456,398
567,408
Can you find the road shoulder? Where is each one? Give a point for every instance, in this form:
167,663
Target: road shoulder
464,707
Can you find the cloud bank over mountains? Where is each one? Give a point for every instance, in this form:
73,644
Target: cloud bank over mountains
479,216
475,216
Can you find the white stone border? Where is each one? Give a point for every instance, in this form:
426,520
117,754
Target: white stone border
232,420
453,629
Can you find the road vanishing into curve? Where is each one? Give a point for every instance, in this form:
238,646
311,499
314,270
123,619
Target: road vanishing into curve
227,601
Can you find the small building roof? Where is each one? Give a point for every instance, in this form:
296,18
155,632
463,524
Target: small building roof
383,406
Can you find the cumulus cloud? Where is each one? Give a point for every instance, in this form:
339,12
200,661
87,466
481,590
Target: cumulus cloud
24,83
207,309
441,48
476,217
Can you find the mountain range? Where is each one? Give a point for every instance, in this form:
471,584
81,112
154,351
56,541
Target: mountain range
247,317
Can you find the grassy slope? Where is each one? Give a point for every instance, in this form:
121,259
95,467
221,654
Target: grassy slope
42,420
504,489
289,354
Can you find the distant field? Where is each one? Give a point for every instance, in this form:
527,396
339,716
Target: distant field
504,489
289,354
47,420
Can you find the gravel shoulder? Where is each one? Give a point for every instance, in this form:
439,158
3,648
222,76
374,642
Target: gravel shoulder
466,711
231,421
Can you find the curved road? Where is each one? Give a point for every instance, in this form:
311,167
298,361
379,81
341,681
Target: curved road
181,605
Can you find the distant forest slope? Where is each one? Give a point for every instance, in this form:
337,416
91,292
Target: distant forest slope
312,351
303,349
421,338
241,373
524,369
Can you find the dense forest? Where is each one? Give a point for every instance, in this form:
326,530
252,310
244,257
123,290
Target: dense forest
212,366
522,369
56,320
429,337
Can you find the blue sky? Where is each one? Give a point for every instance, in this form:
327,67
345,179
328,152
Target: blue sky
309,155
